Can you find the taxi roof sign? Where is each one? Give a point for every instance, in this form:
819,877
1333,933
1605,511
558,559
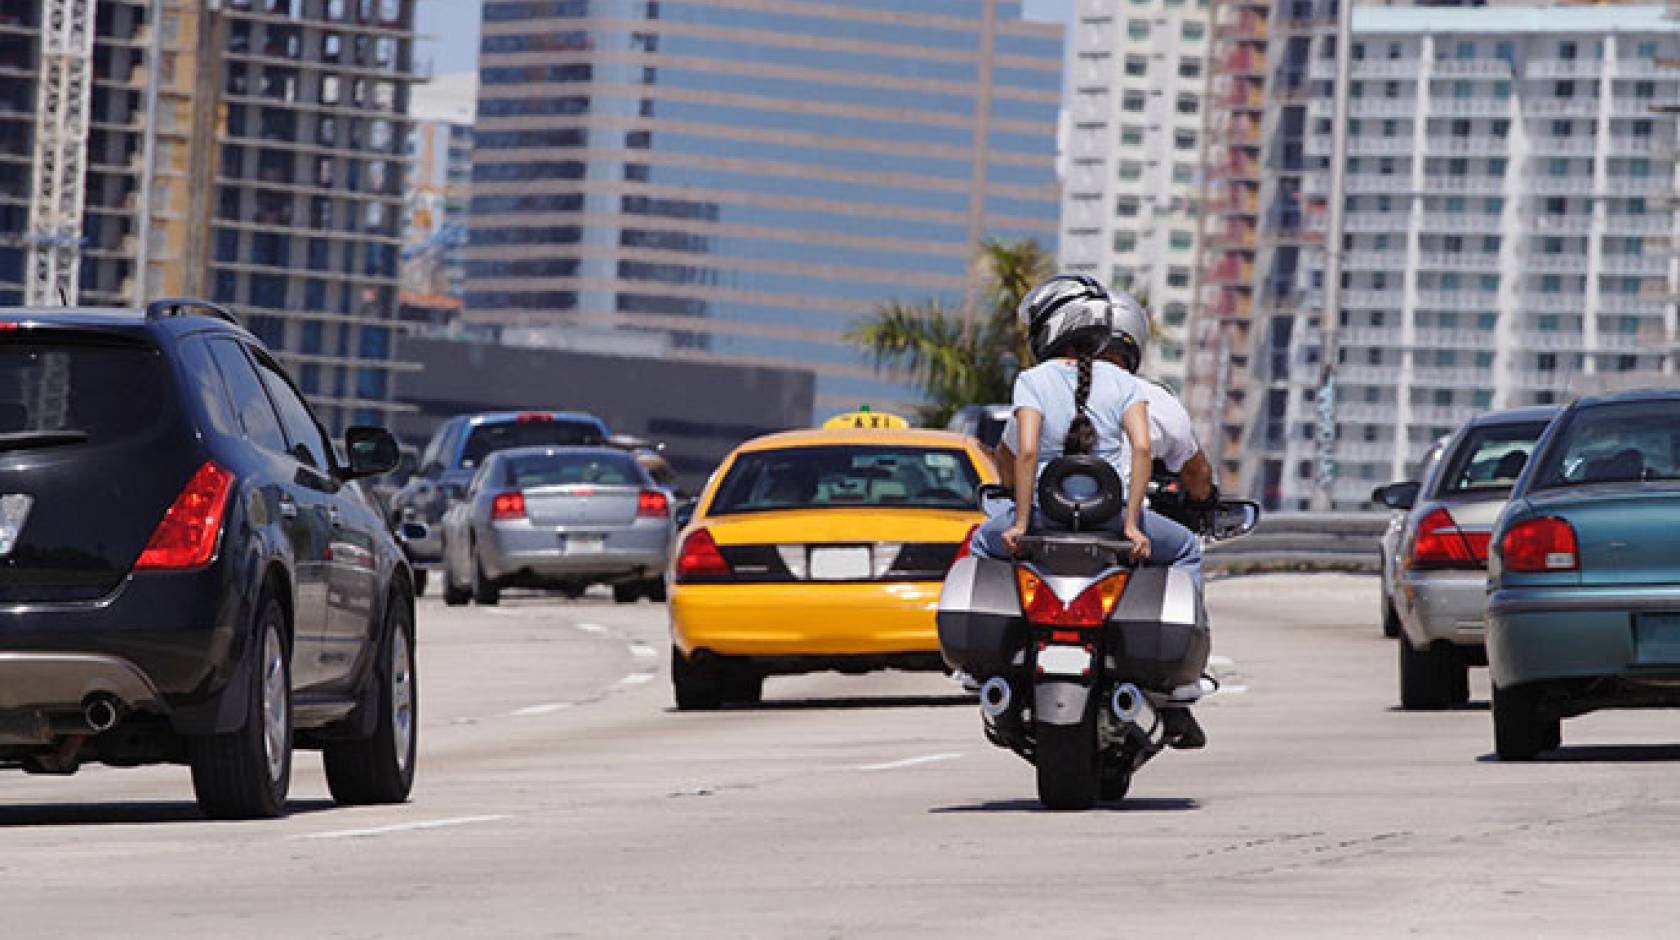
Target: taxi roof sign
864,419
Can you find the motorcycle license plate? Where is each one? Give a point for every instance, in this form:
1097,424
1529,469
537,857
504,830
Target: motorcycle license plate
1064,660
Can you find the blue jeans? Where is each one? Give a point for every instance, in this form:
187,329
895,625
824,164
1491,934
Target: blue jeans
1169,542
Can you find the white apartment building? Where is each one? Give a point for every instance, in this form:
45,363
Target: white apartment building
1133,156
1507,235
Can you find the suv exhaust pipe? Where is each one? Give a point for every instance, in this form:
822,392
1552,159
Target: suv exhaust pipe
101,712
995,697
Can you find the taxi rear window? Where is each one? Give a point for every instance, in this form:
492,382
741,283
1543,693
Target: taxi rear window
847,476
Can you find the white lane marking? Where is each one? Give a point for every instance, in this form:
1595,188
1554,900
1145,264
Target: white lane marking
398,827
590,627
907,762
1231,690
547,708
1220,662
643,650
637,678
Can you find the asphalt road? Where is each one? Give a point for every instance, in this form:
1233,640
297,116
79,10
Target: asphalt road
560,796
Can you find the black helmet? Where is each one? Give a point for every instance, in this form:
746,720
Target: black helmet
1067,315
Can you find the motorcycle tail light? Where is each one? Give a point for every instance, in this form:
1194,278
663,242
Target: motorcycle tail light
508,506
699,557
1090,609
1544,544
187,535
1440,543
652,504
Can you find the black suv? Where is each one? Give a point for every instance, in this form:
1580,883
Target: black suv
188,573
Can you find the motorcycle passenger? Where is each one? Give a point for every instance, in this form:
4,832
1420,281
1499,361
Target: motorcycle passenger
1072,403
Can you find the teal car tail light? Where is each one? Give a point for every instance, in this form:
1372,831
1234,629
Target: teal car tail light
1440,543
1538,545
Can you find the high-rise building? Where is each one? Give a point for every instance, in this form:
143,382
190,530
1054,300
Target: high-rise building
1133,157
1509,195
738,181
250,151
439,186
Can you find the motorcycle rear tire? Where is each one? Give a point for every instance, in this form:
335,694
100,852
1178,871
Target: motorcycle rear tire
1116,783
1066,759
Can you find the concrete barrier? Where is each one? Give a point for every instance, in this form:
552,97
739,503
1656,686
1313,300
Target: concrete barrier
1343,541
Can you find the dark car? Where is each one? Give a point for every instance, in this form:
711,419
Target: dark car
457,448
188,573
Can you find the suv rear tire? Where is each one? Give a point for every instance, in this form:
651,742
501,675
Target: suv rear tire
1432,678
246,774
380,768
1521,727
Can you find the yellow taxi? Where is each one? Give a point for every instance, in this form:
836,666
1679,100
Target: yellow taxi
820,549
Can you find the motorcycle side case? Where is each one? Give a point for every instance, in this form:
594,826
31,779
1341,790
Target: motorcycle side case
1158,634
980,623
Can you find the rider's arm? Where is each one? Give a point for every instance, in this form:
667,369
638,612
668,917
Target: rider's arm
1196,476
1031,422
1135,422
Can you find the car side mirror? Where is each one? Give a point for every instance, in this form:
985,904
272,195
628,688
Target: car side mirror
1234,517
1397,495
985,493
684,513
372,451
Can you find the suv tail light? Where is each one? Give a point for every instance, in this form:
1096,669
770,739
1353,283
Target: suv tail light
652,504
507,506
1440,543
1090,609
187,536
699,557
1544,544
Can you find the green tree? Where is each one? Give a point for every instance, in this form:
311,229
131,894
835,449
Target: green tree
958,359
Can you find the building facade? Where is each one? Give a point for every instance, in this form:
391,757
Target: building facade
742,181
1133,157
1509,195
249,151
439,187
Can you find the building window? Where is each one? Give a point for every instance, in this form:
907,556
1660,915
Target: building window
1644,90
1188,104
1184,140
1133,101
1131,170
1178,277
1126,207
1184,173
1192,31
1180,241
1564,89
1131,136
1189,68
1137,29
1137,66
1125,242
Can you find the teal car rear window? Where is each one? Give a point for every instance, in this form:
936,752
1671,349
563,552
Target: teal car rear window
1617,442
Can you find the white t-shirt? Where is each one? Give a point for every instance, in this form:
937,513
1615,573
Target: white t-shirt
1172,438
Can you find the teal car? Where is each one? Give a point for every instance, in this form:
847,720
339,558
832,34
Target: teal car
1584,575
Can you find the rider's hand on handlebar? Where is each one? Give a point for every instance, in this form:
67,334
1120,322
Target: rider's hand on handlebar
1140,543
1012,538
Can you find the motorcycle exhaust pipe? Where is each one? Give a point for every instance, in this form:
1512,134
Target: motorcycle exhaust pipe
995,697
1132,707
101,713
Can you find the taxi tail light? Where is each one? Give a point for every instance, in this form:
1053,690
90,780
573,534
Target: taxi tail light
652,504
963,547
187,536
507,506
1442,544
699,557
1537,545
1090,609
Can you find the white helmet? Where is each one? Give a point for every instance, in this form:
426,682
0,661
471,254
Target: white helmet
1067,315
1130,330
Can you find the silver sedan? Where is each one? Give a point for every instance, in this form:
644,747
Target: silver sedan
558,518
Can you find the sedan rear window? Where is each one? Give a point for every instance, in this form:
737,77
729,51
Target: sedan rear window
1620,442
486,439
58,394
1489,459
605,469
843,476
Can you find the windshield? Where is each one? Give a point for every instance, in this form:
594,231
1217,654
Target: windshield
67,394
1621,442
605,469
486,439
817,477
1490,459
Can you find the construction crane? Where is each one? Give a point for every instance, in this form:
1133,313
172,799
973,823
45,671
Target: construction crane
58,190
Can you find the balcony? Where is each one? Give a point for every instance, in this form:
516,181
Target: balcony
1243,26
1639,225
1459,260
1635,186
1467,68
1444,416
1635,265
1563,146
1360,452
1370,259
1371,183
1562,224
1368,375
1232,236
1631,305
1382,337
1562,107
1477,145
1378,146
1452,377
1470,107
1641,107
1550,302
1381,107
1646,68
1362,222
1366,412
1387,298
1575,263
1621,144
1468,185
1245,61
1535,379
1454,223
1552,341
1562,68
1230,272
1456,300
1382,68
1441,338
1560,185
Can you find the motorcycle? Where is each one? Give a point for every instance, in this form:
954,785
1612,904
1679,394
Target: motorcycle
1081,655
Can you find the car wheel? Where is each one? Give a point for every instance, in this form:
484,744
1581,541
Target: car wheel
484,590
696,685
628,592
1391,621
574,591
1431,678
743,687
420,578
655,590
1521,728
246,774
380,769
452,595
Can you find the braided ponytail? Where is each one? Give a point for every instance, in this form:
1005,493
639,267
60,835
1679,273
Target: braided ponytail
1081,433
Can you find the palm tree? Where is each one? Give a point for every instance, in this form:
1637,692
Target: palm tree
958,359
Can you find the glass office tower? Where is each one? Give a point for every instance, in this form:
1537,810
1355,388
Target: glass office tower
721,180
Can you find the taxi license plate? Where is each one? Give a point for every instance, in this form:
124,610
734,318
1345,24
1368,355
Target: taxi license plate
1657,639
1064,660
583,544
839,564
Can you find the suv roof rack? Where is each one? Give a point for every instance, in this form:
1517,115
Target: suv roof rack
183,306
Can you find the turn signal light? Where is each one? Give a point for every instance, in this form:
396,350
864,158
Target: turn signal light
1442,544
1090,609
508,506
700,558
187,536
653,504
1544,544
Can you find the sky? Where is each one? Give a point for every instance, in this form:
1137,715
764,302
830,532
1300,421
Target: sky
449,30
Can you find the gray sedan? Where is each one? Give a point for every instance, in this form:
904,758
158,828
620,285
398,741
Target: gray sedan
1435,575
558,518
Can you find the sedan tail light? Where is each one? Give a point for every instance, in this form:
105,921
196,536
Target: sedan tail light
963,547
1090,609
699,558
1544,544
652,504
1440,543
187,536
508,506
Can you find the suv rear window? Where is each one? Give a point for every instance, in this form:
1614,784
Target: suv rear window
844,476
1490,459
486,439
70,393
